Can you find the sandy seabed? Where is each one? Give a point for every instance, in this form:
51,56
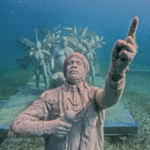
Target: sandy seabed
12,79
136,98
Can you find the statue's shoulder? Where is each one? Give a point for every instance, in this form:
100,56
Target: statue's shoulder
52,95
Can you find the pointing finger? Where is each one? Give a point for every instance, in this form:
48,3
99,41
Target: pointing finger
133,27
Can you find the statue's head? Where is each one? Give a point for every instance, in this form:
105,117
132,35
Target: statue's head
38,45
76,68
64,41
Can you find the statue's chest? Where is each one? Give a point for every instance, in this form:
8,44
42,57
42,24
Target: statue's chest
78,102
62,53
38,56
74,101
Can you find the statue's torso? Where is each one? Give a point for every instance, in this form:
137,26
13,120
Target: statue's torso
38,57
86,132
61,56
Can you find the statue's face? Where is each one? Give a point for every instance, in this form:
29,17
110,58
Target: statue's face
75,71
38,45
64,42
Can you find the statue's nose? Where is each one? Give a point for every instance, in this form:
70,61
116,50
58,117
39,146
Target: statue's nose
74,65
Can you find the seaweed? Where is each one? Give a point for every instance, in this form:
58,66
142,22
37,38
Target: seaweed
24,62
24,44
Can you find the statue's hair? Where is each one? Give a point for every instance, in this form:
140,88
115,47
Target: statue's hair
81,57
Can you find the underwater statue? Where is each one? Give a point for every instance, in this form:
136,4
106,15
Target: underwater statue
45,45
49,43
71,117
38,52
59,55
40,66
34,56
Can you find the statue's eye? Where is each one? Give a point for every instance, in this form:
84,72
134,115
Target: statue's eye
70,63
79,63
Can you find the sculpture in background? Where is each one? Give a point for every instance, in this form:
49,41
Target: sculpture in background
39,53
49,43
45,45
59,55
40,66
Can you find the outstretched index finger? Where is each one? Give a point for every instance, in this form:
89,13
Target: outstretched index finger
133,27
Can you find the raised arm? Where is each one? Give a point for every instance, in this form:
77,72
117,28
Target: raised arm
122,55
35,30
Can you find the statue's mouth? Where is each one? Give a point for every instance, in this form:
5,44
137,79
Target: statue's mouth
73,72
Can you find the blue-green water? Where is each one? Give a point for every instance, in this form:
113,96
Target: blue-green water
109,19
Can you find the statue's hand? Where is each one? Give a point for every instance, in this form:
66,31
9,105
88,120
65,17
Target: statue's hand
60,128
123,53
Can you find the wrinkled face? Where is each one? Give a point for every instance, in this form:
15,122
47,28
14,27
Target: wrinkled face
75,71
38,45
64,42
